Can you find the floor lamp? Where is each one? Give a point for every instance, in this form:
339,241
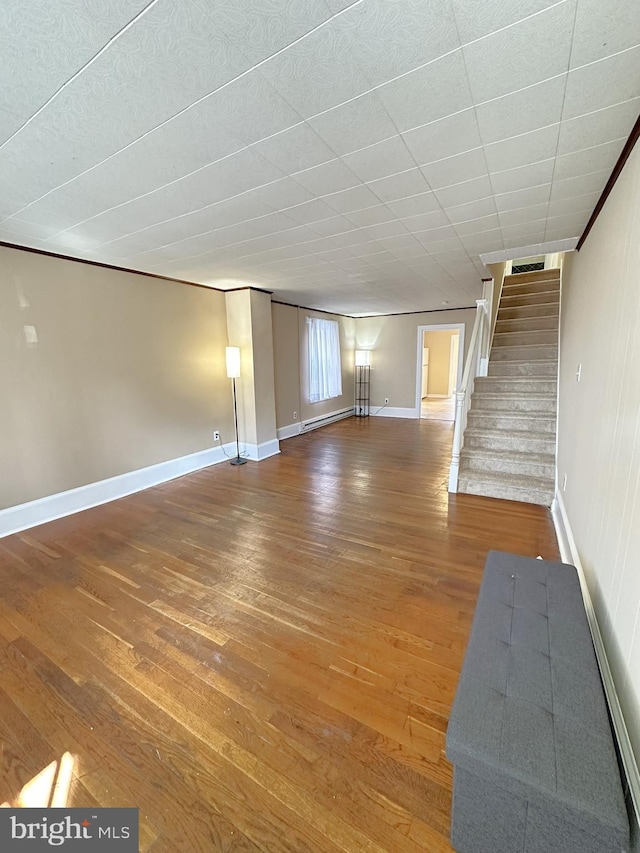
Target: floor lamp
363,383
233,372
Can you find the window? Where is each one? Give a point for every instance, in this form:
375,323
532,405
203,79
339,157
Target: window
325,373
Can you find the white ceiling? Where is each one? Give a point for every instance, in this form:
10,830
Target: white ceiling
352,156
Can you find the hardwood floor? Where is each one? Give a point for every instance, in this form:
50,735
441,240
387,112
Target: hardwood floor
262,657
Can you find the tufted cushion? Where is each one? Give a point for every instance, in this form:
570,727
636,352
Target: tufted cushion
529,714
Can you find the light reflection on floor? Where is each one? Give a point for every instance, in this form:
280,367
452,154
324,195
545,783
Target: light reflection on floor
47,789
438,408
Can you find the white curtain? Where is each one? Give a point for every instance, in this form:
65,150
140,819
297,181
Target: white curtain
325,372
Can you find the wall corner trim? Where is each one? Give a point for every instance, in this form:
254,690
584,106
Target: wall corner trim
289,431
14,519
569,554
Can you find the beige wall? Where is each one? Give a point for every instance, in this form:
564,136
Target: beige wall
128,371
286,362
394,341
291,366
439,344
599,426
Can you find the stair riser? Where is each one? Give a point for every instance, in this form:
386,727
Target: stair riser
534,275
472,464
520,385
471,486
507,403
530,287
515,301
501,369
525,338
503,422
529,324
524,353
522,312
505,442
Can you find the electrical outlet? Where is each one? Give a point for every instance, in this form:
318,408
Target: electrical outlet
386,401
295,416
579,373
216,435
564,483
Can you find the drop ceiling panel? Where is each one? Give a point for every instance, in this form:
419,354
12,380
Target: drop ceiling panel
360,153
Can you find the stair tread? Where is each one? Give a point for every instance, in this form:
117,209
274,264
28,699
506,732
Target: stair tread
516,414
500,395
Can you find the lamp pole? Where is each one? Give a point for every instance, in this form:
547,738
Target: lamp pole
238,460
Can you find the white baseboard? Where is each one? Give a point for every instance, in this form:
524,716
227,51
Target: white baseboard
289,431
569,554
40,511
388,412
258,452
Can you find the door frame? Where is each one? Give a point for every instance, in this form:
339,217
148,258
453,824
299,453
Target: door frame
440,327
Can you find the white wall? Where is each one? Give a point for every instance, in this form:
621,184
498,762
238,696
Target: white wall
599,427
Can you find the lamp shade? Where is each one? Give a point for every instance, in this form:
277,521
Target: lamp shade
233,362
363,357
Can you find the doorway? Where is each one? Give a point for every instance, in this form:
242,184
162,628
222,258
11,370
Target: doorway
440,351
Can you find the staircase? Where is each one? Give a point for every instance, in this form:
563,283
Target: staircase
510,439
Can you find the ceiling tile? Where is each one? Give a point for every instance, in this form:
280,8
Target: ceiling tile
521,150
521,112
573,204
355,198
523,198
477,18
333,227
523,177
602,84
467,191
354,125
43,46
295,149
426,221
588,160
601,126
386,229
405,184
476,226
443,138
394,38
321,71
427,94
380,160
471,210
579,186
603,29
531,51
370,215
327,178
413,205
261,29
311,211
280,194
525,214
456,170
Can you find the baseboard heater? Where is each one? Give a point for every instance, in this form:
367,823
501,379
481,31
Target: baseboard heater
306,426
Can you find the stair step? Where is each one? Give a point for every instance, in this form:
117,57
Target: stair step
552,274
522,338
521,312
513,402
516,385
527,324
527,352
518,299
529,367
512,421
541,465
500,440
528,287
509,487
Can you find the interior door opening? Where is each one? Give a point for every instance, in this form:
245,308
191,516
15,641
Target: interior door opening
440,370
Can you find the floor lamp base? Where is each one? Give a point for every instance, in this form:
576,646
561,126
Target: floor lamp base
238,461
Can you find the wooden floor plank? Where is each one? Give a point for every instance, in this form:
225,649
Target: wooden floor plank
260,658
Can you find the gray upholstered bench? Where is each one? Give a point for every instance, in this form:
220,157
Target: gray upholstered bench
529,737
